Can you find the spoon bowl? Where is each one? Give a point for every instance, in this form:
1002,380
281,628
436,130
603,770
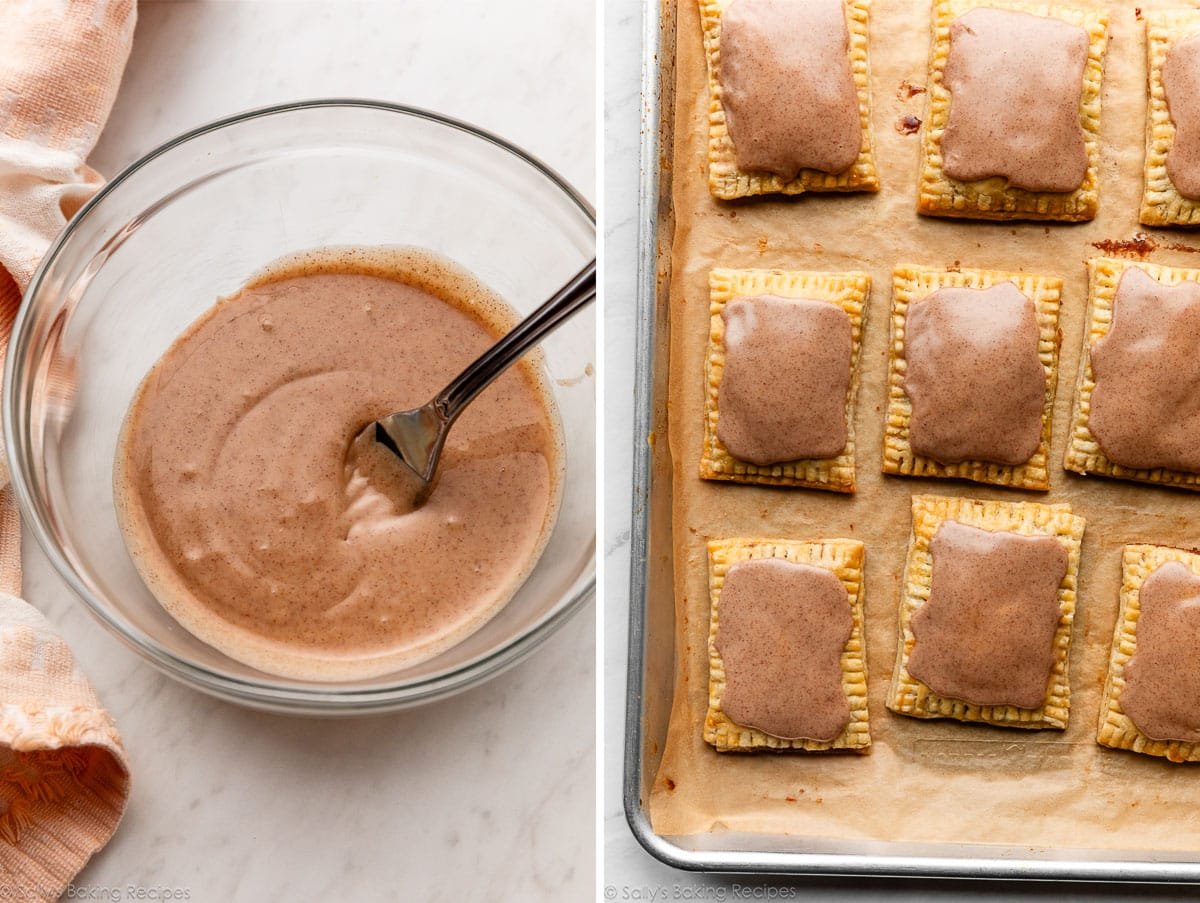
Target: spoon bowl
184,226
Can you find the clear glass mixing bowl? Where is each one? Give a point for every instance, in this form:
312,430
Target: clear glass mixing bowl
189,223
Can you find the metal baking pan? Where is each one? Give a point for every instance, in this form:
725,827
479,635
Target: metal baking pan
652,615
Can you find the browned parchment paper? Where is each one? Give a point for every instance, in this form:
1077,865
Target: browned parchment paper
923,780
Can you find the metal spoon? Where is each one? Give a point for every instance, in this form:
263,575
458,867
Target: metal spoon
416,437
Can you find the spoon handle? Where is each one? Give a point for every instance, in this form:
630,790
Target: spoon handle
580,290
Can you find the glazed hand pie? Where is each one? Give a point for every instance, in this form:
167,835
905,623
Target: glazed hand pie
1137,401
789,97
1151,701
781,374
787,664
985,612
1172,171
972,371
1013,121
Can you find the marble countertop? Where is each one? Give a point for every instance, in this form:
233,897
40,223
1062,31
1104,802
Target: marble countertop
630,873
493,789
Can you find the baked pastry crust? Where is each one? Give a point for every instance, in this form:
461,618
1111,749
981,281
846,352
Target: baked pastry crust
848,291
725,180
939,195
909,696
911,283
1116,729
1084,454
1162,204
844,557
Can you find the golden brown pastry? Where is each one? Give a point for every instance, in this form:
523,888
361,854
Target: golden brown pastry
1010,149
1006,643
1137,399
789,80
781,690
977,406
1172,36
786,406
1153,670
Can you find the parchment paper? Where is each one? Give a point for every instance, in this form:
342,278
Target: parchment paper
923,780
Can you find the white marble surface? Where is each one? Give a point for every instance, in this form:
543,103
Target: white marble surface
629,872
489,795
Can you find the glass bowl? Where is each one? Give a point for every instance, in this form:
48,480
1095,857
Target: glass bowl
189,223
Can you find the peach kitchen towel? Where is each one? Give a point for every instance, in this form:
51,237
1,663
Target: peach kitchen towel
63,776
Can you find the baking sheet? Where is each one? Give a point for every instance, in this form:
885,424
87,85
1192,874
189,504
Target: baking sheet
936,781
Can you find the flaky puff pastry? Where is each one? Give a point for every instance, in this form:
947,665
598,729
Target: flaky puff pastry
725,180
909,696
844,557
912,283
939,195
848,291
